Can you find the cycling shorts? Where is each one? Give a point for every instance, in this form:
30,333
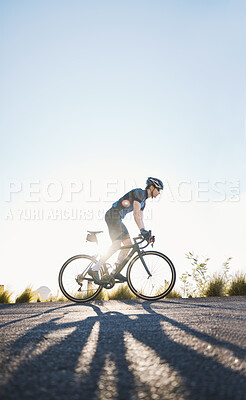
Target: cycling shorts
117,230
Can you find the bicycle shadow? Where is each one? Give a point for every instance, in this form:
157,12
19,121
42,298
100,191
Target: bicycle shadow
16,306
192,303
88,356
236,350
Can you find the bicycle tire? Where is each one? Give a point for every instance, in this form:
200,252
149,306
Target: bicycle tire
137,276
69,285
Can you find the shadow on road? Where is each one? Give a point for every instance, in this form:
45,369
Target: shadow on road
237,351
31,316
110,356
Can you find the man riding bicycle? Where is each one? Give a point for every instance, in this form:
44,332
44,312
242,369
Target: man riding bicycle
150,274
133,201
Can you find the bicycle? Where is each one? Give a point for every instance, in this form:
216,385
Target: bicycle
150,274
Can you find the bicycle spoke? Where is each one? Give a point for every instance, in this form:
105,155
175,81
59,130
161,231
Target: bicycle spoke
161,280
74,282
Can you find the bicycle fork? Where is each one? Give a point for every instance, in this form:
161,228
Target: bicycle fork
144,264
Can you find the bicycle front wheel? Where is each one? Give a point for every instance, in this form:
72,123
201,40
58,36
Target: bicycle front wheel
75,283
154,283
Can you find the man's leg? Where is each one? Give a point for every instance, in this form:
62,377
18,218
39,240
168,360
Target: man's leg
121,257
112,249
115,246
123,253
118,234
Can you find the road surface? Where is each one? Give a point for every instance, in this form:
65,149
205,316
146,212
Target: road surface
127,350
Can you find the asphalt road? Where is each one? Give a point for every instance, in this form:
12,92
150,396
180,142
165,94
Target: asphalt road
133,349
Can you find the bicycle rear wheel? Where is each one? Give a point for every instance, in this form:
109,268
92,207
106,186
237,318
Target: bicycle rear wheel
75,283
154,286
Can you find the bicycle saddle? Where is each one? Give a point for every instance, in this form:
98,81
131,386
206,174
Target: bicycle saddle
94,232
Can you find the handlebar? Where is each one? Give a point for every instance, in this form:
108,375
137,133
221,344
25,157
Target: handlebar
142,239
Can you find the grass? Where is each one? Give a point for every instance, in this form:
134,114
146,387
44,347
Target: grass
216,286
173,295
121,292
238,285
58,297
25,297
103,295
5,297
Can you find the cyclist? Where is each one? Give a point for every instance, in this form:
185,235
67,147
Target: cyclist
133,201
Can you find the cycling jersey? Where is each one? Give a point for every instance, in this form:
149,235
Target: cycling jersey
114,216
125,204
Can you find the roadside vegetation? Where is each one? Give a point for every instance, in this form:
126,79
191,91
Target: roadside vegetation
238,285
121,292
5,297
174,294
25,297
57,297
196,282
215,286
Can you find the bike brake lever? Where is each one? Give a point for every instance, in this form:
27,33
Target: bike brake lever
152,241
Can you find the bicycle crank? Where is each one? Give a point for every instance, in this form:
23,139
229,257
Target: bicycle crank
107,281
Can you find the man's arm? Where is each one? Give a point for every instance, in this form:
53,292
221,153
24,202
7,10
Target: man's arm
138,214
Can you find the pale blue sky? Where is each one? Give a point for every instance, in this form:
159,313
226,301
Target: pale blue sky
123,79
122,88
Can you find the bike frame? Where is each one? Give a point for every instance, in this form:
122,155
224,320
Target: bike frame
136,253
135,249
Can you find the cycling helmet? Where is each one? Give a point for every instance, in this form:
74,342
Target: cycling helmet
157,183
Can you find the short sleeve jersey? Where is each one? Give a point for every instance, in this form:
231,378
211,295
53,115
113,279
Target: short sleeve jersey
125,204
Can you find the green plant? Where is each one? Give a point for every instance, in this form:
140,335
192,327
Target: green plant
58,297
199,274
174,294
62,298
226,267
187,285
215,286
199,283
238,285
25,297
5,297
225,274
103,295
121,293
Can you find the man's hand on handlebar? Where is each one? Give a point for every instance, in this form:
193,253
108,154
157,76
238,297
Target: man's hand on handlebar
146,234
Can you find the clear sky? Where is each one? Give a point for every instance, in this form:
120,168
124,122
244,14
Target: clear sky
96,96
